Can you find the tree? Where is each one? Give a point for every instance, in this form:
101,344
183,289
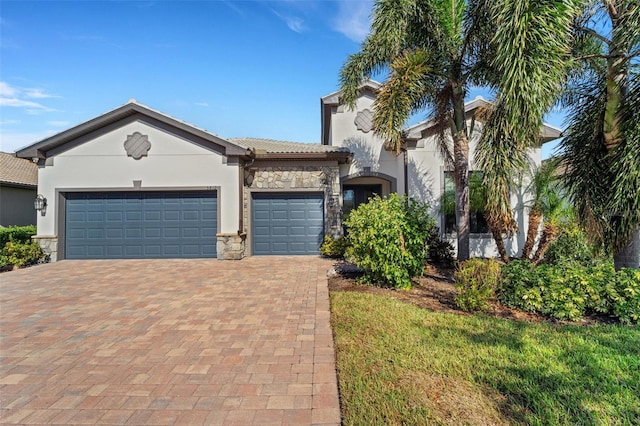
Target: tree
590,50
434,51
542,189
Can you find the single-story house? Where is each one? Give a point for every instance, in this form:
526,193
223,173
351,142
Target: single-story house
18,184
137,183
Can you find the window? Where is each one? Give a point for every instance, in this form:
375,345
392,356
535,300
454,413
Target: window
477,197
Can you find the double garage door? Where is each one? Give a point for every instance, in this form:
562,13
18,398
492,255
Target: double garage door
137,225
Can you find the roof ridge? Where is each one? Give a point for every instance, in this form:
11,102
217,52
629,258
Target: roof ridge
271,140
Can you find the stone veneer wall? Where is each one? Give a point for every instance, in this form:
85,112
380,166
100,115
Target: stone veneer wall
292,178
231,246
49,244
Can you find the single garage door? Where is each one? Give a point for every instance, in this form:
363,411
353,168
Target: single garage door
287,223
138,225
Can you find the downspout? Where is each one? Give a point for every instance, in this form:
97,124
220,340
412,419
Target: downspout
406,171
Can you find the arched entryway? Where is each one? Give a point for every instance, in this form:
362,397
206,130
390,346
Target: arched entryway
357,189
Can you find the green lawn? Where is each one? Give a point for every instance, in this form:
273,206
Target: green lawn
399,364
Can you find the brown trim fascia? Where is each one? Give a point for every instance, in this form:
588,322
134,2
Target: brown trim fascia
341,157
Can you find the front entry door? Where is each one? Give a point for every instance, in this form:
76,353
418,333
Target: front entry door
354,195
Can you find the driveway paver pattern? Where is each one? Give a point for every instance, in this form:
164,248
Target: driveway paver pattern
168,342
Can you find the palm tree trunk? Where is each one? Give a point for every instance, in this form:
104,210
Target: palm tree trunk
617,77
535,216
548,236
629,257
497,237
461,171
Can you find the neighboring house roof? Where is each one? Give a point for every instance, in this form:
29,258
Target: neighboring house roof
131,110
17,171
269,148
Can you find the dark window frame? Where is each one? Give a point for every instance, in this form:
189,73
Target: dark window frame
477,222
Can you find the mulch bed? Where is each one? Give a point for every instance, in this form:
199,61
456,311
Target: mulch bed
435,291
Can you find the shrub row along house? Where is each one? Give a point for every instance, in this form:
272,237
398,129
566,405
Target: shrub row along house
136,183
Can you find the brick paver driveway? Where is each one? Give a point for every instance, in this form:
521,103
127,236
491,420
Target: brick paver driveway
168,342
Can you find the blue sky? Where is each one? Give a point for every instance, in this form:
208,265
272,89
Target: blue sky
235,68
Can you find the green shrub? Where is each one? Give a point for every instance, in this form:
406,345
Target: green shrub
19,234
21,254
570,291
476,281
388,239
334,247
573,246
625,296
440,251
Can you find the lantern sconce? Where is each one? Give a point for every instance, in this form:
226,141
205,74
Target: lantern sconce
40,204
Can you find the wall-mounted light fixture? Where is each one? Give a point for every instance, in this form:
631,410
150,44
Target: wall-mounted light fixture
40,204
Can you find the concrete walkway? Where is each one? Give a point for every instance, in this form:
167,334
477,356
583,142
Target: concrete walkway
168,342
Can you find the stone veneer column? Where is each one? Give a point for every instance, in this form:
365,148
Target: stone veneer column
231,246
49,244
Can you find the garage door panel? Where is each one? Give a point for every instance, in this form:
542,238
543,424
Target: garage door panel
171,215
141,224
279,215
76,216
287,223
114,216
152,232
133,215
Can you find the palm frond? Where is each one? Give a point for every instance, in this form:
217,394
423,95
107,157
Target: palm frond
395,26
405,88
532,47
500,158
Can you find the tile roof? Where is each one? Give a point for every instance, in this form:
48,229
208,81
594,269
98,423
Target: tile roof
17,170
285,147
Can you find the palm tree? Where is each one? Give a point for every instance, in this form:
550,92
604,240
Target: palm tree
434,51
553,210
541,188
590,49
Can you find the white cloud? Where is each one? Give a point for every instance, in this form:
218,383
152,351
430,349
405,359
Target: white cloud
202,104
38,94
16,97
7,90
22,103
353,19
294,23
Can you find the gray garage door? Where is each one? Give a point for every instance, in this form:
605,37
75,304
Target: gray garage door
137,225
287,223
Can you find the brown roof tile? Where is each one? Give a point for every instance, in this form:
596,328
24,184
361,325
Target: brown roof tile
285,147
17,170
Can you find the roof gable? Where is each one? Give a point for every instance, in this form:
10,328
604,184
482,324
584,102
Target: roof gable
332,100
417,131
130,111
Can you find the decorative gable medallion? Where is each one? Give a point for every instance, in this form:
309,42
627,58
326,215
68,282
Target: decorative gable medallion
137,145
364,120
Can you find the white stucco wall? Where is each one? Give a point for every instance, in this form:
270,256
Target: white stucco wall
368,149
426,170
172,162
